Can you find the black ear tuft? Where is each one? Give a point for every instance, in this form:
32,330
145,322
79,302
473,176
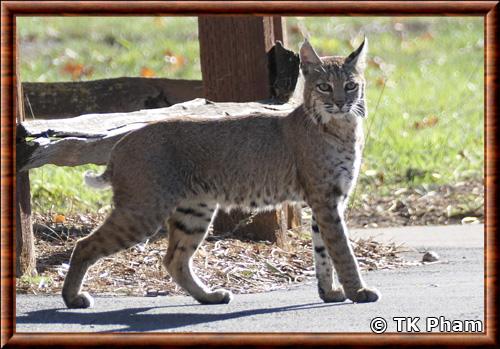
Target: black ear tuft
357,59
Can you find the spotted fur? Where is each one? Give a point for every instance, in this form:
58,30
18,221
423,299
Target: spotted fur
183,170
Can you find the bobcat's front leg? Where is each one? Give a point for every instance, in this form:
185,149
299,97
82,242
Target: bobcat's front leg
333,232
323,266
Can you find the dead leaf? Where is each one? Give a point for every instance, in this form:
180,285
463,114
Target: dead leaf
179,61
59,218
159,22
147,73
175,61
380,81
168,52
427,36
77,70
376,62
426,122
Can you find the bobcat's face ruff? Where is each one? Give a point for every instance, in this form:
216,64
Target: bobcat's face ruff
334,86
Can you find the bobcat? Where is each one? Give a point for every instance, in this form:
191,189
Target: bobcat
181,170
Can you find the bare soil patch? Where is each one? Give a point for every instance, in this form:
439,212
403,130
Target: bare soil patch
246,266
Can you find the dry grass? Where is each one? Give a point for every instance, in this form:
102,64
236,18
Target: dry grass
245,266
462,203
240,266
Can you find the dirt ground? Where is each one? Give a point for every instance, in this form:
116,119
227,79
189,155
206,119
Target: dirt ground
244,266
461,203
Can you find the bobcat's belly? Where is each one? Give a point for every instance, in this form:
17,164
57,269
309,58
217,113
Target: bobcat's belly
258,201
247,195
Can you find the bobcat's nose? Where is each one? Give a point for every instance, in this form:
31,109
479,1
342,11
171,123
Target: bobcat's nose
339,104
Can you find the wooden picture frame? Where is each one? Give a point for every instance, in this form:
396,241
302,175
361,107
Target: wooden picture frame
11,9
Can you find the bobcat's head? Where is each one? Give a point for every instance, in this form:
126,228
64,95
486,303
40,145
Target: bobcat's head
334,86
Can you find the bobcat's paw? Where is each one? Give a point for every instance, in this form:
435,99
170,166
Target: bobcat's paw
365,295
220,296
332,296
81,300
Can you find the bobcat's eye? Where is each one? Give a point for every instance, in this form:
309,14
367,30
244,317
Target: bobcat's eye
324,87
349,86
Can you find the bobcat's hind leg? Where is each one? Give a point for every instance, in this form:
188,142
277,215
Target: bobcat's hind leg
324,269
188,227
121,230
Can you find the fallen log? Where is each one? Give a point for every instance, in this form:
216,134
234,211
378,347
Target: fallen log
58,100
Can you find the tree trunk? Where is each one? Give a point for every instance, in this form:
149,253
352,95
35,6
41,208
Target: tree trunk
235,68
25,245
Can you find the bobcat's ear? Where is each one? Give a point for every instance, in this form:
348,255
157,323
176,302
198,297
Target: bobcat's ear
308,57
357,59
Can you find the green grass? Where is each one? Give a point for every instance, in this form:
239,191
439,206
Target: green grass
35,281
61,190
108,46
420,69
433,69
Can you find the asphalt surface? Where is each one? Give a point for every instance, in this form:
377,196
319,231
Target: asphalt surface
452,288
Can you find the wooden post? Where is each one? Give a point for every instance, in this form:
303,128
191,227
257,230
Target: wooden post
280,34
233,54
234,66
25,243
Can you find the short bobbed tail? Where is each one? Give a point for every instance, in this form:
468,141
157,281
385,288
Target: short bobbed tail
97,181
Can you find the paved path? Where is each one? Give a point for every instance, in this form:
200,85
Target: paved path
453,289
458,236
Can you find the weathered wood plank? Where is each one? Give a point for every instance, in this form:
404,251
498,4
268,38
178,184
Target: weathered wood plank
98,125
89,138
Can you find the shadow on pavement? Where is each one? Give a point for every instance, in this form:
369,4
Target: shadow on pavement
134,321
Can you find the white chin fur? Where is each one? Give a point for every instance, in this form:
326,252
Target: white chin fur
327,117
